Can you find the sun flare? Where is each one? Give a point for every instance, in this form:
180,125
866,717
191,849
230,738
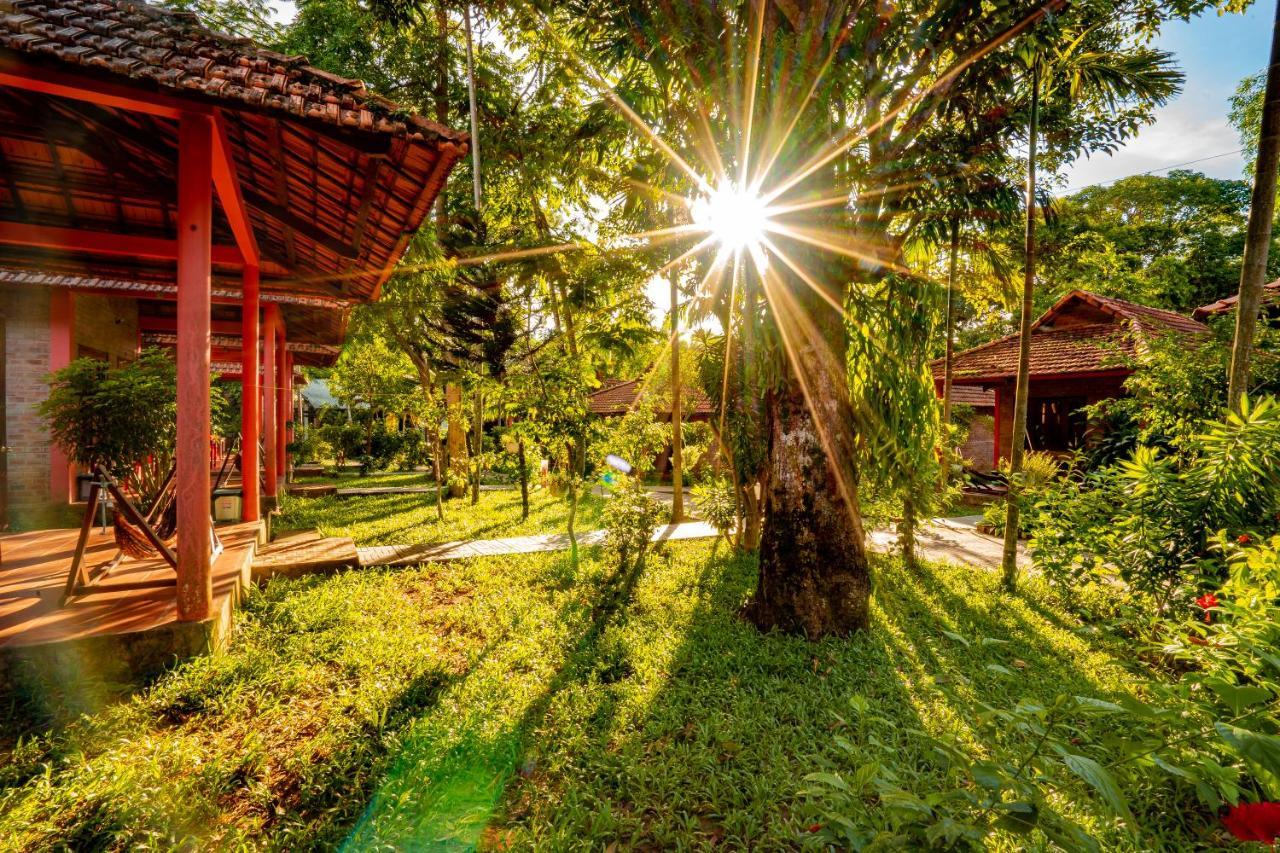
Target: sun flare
734,216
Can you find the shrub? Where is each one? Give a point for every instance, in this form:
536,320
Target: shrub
630,518
1039,469
310,446
345,438
415,450
122,418
1150,519
716,504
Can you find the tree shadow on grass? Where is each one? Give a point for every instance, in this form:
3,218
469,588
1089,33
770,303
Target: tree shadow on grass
432,799
282,756
707,740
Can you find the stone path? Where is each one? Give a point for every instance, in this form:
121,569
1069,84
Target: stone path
956,540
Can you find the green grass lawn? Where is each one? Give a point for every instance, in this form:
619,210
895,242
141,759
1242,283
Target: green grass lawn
411,519
518,704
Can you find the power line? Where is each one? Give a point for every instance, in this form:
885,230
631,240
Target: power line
1158,169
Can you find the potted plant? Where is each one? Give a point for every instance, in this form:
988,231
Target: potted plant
122,418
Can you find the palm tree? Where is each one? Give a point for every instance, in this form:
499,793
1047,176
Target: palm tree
1253,274
1080,82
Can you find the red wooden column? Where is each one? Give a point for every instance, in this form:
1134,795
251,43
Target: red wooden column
995,455
195,214
271,324
283,380
61,336
290,413
250,398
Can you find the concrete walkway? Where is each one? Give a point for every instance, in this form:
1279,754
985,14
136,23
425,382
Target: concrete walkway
941,539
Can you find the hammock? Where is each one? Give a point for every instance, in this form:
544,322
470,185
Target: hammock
137,536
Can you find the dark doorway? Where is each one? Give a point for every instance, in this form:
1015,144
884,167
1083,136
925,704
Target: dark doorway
1056,424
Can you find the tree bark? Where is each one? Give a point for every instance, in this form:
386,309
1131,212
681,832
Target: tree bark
949,357
814,578
524,480
677,437
477,444
1017,436
1253,274
457,441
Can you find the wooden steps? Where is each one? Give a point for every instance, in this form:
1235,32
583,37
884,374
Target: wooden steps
311,490
304,553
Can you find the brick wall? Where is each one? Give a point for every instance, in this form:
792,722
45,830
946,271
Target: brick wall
107,324
103,324
979,447
26,363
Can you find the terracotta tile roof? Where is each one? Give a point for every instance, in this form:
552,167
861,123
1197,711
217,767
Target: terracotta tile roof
1144,315
1076,350
171,50
1083,345
973,395
1270,296
618,396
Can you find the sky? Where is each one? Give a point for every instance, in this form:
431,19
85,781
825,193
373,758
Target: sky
1215,53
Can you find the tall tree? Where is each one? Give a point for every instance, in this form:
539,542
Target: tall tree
1261,220
884,86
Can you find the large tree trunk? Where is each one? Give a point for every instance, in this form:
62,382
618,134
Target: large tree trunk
457,440
1253,275
814,579
1018,435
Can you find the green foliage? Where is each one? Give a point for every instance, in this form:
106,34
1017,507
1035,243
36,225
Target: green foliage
1228,682
346,439
630,517
116,417
310,446
224,408
1177,385
506,702
1039,470
397,519
717,505
1149,519
638,437
371,375
982,796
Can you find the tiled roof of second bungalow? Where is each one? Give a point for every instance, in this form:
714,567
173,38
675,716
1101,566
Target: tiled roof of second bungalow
1104,333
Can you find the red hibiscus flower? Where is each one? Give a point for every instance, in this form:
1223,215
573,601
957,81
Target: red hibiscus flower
1244,539
1205,602
1254,822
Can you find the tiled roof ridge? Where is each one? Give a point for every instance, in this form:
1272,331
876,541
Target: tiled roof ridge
1226,303
1137,312
173,50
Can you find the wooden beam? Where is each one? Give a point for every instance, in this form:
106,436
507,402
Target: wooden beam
227,182
270,326
275,152
104,243
20,73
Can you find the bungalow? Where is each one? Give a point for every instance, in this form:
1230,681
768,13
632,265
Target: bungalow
162,184
1076,359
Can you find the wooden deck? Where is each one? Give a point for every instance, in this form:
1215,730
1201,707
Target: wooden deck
135,627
